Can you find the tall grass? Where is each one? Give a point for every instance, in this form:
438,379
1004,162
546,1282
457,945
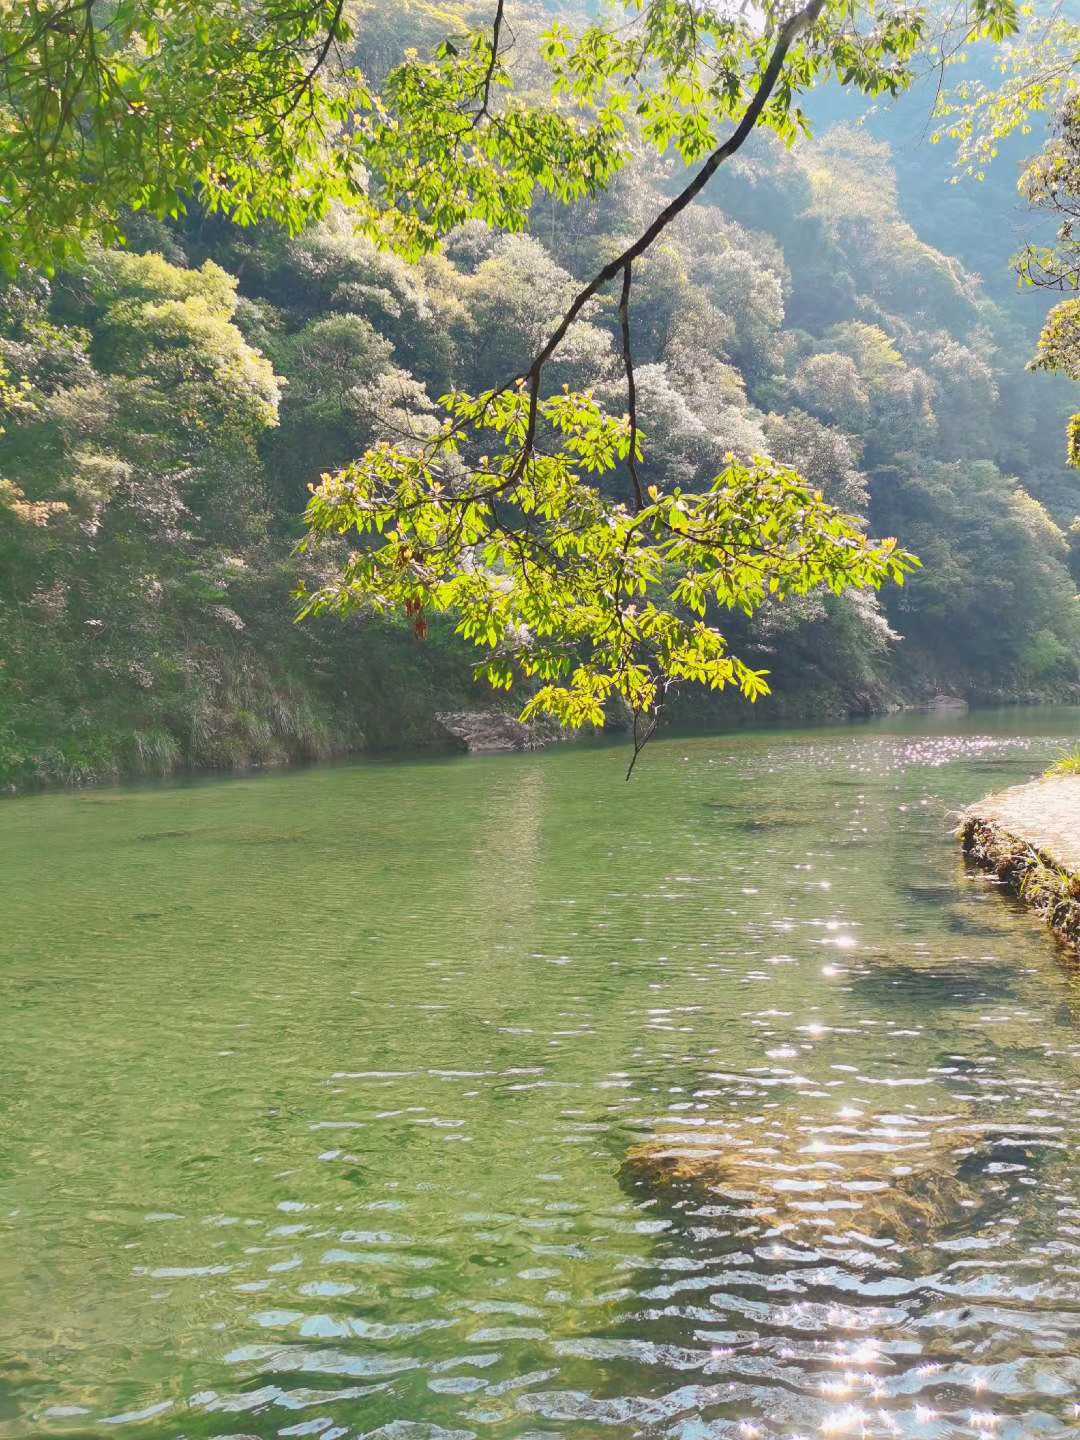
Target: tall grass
1066,764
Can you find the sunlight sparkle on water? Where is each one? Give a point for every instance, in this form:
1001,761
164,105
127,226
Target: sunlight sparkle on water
844,1421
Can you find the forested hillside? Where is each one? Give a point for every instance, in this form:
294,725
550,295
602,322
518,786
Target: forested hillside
166,408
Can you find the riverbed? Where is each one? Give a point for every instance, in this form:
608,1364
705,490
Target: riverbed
317,1091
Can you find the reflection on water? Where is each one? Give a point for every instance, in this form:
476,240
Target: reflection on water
499,1098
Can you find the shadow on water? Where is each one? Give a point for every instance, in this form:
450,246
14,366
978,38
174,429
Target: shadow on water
934,988
748,818
963,922
934,894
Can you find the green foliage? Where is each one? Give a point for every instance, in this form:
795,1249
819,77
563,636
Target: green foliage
566,589
147,104
1035,76
592,599
1067,764
1059,349
988,549
248,108
1032,75
1052,183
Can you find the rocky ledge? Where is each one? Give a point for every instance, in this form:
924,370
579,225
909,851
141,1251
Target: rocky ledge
485,731
1029,838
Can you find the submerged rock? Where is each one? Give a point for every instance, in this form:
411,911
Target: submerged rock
910,1187
774,820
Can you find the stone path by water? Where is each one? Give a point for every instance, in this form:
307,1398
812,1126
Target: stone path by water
1044,814
1029,838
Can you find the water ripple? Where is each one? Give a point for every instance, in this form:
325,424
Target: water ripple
500,1099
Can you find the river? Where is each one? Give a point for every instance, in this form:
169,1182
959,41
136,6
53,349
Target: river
317,1089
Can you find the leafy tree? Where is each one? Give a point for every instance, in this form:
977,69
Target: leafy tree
967,396
989,548
253,110
826,456
830,385
144,104
751,293
327,365
511,303
1052,183
583,605
132,479
1032,75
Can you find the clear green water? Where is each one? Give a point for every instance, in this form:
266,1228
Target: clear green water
315,1089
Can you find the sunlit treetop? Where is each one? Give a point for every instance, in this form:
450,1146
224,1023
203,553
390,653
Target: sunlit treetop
1031,75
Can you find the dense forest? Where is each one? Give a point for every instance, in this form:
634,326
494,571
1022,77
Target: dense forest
840,306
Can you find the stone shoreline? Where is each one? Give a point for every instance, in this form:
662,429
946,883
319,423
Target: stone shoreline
1029,838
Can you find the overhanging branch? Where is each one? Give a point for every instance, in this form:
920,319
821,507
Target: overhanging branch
791,29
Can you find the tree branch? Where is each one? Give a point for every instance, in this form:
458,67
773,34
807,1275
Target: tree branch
642,736
320,60
489,76
631,387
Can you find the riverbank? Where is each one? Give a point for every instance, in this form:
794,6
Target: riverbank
117,757
1029,838
403,700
